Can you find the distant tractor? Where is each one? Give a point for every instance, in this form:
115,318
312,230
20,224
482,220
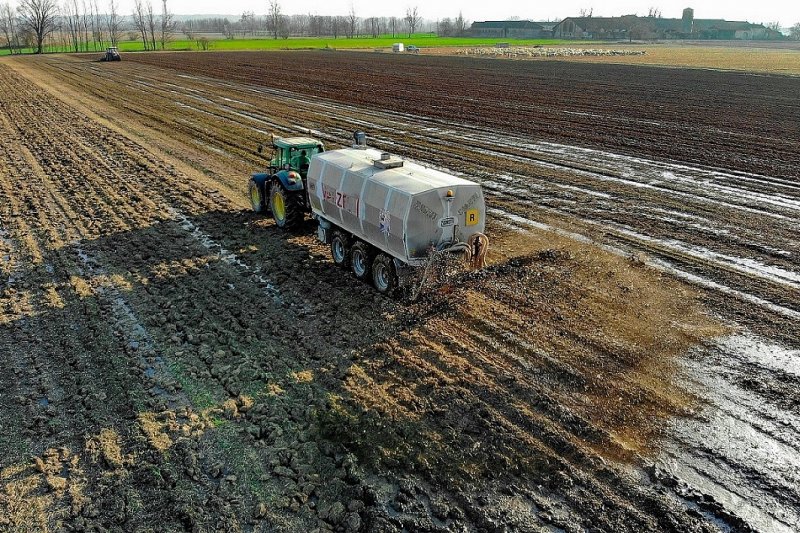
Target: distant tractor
384,218
112,54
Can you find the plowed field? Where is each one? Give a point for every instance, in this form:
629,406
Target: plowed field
628,361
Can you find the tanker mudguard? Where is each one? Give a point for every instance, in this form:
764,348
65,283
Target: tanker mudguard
291,180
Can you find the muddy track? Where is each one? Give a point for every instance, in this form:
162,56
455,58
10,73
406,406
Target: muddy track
179,360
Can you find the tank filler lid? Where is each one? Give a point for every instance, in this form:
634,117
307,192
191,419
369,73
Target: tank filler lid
387,161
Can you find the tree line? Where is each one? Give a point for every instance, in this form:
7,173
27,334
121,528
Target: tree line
278,25
86,25
81,25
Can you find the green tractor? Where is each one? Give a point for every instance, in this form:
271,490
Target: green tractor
282,189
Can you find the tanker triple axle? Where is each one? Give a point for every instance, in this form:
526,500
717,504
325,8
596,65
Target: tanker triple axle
384,217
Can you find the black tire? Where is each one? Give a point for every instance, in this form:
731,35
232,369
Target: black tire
340,249
291,213
256,194
361,255
384,274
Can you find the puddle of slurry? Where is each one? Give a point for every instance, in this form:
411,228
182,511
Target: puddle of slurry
741,451
775,199
742,264
602,155
757,351
631,177
525,180
637,172
519,220
234,101
214,149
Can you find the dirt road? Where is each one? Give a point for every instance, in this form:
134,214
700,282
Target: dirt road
174,359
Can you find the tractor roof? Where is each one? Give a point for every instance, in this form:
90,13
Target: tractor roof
296,142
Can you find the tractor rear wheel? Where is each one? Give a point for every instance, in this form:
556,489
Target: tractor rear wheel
255,194
286,206
384,274
340,249
361,260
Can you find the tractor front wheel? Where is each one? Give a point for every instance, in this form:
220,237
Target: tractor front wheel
286,206
255,194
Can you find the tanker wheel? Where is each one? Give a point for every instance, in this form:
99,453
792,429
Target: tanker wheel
361,260
256,201
384,274
286,206
340,249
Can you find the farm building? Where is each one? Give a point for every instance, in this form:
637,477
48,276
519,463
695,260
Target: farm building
511,29
594,27
633,27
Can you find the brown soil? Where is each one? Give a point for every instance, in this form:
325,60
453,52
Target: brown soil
174,359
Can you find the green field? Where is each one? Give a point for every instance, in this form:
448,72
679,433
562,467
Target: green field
299,43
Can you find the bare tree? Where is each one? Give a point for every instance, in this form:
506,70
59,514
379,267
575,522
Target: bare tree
167,25
228,30
352,21
97,26
586,13
140,22
374,26
188,29
314,23
39,17
8,24
460,25
775,26
248,23
85,25
444,27
393,23
299,24
337,23
151,24
412,19
794,32
274,17
113,22
71,17
654,12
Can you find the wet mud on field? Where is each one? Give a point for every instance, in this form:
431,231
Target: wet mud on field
625,363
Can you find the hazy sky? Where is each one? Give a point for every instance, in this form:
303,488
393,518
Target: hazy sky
786,12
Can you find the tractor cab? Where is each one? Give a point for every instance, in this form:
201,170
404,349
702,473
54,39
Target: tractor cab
282,189
294,153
